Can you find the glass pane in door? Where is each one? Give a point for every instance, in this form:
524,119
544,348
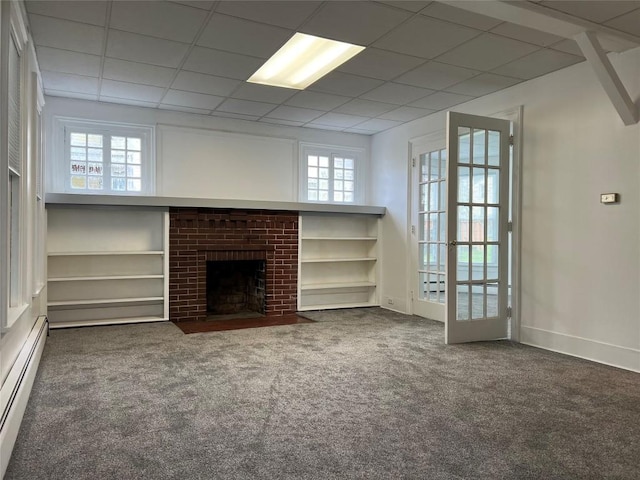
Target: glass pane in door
432,226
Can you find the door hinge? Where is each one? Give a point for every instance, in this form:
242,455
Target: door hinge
509,312
413,162
411,295
511,140
413,229
509,226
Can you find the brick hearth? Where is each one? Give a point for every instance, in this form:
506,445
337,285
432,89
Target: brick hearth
200,234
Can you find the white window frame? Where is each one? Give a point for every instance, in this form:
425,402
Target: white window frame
13,284
64,126
332,151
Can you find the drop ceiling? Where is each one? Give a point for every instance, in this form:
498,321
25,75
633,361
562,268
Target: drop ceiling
195,56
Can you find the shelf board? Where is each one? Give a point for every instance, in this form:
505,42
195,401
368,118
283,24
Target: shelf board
332,260
338,305
367,239
104,301
106,321
105,277
326,286
91,254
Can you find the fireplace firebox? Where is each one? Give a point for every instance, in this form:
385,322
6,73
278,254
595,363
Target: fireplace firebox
235,287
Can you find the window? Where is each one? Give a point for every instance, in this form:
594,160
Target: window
330,175
107,159
15,172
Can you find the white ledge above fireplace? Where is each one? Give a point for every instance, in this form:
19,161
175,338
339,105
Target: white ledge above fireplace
165,202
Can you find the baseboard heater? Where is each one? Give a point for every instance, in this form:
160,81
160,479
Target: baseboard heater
15,391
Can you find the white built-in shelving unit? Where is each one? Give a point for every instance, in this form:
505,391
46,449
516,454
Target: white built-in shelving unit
107,266
338,257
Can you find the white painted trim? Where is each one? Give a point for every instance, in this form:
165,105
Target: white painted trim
105,322
596,351
17,388
165,262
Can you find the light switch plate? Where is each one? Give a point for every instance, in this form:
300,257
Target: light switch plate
609,198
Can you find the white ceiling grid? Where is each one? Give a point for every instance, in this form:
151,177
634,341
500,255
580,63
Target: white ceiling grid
194,56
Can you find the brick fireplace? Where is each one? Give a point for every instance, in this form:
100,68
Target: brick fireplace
199,235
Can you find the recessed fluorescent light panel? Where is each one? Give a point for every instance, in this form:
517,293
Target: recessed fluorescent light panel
303,60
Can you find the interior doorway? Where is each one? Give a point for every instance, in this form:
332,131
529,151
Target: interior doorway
478,242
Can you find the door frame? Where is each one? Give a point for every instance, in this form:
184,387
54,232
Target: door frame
515,116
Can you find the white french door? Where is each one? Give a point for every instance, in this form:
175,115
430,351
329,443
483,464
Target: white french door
429,228
477,228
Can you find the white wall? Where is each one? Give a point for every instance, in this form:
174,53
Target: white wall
200,156
580,259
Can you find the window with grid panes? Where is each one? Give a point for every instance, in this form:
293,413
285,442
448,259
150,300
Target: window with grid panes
330,176
108,160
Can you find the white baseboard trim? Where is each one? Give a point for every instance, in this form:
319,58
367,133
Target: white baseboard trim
601,352
17,388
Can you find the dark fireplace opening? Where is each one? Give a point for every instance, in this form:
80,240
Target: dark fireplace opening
236,288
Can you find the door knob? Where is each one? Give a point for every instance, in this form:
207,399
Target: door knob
453,243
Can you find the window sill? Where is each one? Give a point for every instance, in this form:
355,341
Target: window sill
14,314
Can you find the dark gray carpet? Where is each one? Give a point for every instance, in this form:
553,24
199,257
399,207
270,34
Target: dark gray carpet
362,393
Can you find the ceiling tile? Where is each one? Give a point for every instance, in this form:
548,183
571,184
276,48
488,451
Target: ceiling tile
143,49
285,14
436,76
487,52
133,72
377,124
381,64
595,10
245,107
170,21
278,121
56,33
132,91
396,93
191,99
64,61
200,83
239,116
224,64
316,100
524,34
70,83
263,93
410,5
629,23
345,84
537,64
460,16
61,93
568,46
483,85
425,37
237,35
365,108
339,120
441,100
94,13
406,114
294,113
179,108
128,101
343,21
202,4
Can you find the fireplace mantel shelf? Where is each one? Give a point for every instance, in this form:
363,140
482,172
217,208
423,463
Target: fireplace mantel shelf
54,199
